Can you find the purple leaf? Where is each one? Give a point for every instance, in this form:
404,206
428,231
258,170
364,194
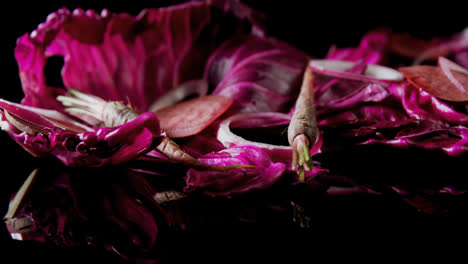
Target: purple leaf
119,57
260,74
47,132
234,181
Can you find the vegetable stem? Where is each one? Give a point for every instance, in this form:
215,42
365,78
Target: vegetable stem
113,113
303,129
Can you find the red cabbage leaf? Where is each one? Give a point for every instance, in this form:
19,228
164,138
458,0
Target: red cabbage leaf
47,132
262,176
260,74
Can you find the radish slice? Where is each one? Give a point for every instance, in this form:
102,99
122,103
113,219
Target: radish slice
250,120
435,82
282,153
455,73
340,69
191,117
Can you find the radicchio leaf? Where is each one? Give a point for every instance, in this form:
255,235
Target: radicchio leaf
46,132
119,57
370,50
262,176
419,104
261,74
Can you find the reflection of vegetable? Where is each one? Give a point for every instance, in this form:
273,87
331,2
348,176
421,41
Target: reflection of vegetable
117,212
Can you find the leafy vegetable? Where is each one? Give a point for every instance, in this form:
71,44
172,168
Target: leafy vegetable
371,49
47,132
262,176
123,58
260,74
135,60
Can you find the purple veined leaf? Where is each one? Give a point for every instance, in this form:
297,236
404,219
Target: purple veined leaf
444,47
364,92
419,104
342,84
371,49
217,183
136,60
119,57
41,118
418,133
420,50
261,74
47,132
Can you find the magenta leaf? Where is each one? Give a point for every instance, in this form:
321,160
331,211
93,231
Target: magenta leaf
262,176
260,74
47,132
370,50
119,57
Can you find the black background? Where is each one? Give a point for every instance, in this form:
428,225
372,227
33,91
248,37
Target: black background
313,27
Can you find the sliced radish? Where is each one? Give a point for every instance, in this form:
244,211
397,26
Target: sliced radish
340,69
191,117
435,82
251,120
455,73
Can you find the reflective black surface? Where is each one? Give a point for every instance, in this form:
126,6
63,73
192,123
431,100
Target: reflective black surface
110,215
289,223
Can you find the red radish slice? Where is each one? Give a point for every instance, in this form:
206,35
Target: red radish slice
190,117
248,120
433,80
455,73
340,69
